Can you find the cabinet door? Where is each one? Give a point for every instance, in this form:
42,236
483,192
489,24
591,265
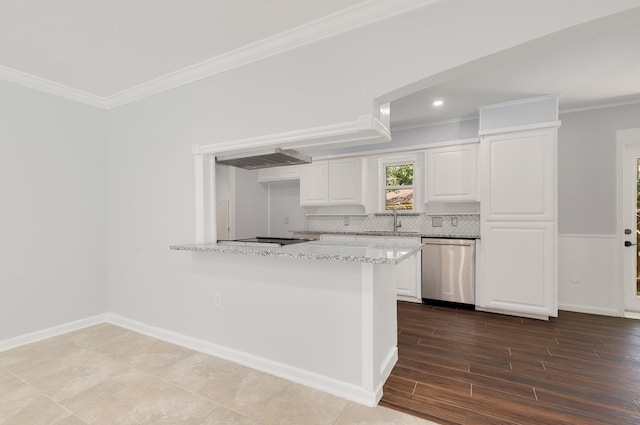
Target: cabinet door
408,278
519,176
289,172
452,173
314,187
268,174
518,268
345,181
408,273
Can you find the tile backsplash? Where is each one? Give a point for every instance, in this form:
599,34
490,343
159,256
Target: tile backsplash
458,225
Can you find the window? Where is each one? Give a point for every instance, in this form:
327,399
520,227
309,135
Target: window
398,185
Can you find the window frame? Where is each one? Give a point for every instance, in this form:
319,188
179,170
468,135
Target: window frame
386,162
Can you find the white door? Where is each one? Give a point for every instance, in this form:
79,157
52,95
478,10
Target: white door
631,203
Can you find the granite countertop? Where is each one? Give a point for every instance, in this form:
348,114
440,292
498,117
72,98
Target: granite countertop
354,252
389,234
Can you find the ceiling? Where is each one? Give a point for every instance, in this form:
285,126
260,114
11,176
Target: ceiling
111,52
102,47
599,69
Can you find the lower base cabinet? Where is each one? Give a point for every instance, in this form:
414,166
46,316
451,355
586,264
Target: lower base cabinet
518,269
408,272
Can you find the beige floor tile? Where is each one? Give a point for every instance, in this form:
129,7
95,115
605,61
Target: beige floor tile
154,357
9,384
71,420
29,407
48,350
99,335
124,378
111,398
208,376
86,371
224,416
135,397
357,414
229,384
299,405
174,406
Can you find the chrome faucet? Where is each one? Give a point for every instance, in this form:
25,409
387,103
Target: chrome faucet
396,224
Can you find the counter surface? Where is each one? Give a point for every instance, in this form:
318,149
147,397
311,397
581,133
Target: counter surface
388,234
355,252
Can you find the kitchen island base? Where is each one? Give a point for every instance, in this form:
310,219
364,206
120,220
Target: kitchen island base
326,324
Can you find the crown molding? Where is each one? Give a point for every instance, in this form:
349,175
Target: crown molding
366,129
31,81
600,106
354,17
349,19
424,124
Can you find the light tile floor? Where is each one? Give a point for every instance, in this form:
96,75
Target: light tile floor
108,375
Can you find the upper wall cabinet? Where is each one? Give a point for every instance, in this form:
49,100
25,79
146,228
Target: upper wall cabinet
519,176
451,173
345,181
273,174
314,183
333,182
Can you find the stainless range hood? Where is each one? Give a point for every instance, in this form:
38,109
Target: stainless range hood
272,158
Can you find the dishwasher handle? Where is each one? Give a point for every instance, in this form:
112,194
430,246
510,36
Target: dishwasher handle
457,242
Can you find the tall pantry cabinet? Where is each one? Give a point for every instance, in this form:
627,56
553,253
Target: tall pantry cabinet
518,255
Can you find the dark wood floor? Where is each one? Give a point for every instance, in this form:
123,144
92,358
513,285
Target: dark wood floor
467,367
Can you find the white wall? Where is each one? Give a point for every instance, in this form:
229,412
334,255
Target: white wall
284,202
587,208
587,168
59,184
150,169
251,209
54,211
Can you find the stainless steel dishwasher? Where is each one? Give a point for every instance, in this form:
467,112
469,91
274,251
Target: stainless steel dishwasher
448,270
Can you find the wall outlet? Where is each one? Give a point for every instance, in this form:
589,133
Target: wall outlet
217,299
346,221
575,279
454,221
286,220
437,221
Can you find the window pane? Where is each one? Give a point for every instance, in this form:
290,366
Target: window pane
399,175
401,199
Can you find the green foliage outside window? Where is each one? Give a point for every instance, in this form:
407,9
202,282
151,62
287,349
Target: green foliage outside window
400,175
399,187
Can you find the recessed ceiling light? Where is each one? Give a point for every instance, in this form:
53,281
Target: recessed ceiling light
438,102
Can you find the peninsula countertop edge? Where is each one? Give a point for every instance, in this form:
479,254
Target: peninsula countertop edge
354,252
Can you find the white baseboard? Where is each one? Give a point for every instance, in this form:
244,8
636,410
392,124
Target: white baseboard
385,370
51,332
589,310
310,379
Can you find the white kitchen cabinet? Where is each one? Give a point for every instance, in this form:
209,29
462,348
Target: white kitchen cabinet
451,173
289,172
407,273
518,262
520,176
333,182
519,270
314,183
345,181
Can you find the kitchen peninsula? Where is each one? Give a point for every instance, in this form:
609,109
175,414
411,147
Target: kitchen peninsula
321,313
